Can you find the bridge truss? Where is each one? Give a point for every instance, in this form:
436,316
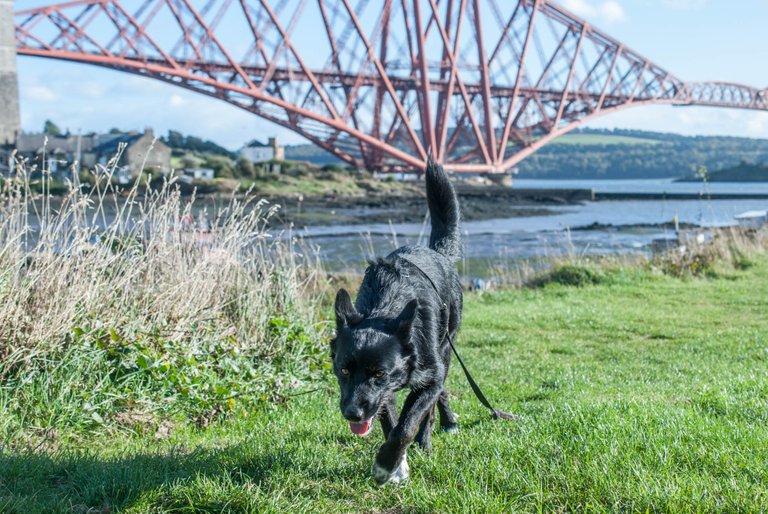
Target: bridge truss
481,84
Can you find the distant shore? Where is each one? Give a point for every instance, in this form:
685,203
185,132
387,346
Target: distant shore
477,203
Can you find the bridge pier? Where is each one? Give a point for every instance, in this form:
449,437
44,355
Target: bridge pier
500,179
10,124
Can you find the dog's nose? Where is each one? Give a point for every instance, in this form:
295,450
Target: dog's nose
353,413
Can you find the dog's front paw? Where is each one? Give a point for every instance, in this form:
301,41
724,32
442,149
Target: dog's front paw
384,476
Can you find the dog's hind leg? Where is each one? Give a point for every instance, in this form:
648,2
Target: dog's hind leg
447,417
388,415
424,436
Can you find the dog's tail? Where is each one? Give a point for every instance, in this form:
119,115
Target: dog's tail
443,211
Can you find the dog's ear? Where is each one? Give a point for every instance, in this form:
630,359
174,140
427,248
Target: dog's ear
403,323
346,314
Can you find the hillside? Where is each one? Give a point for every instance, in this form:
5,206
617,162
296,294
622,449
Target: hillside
614,154
635,154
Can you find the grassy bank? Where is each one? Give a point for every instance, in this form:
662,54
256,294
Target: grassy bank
637,391
118,315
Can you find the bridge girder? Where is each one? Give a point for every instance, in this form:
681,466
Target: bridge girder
481,85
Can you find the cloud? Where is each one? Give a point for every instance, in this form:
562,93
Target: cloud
39,93
605,11
612,12
177,100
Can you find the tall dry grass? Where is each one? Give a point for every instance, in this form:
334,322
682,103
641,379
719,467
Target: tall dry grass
112,271
724,249
727,248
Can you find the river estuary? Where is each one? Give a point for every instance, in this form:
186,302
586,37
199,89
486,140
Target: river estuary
602,227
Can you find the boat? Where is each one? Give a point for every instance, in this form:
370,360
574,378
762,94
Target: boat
752,219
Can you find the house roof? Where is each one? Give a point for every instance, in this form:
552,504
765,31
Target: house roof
37,143
256,144
110,146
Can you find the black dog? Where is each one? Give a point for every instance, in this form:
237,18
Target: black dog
395,336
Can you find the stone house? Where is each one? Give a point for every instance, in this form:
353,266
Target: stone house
60,152
140,153
256,151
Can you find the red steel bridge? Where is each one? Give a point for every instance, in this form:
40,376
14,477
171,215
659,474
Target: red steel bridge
481,84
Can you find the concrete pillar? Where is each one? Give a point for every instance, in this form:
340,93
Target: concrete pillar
10,124
500,179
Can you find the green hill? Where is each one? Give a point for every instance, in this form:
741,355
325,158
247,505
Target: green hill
591,139
636,154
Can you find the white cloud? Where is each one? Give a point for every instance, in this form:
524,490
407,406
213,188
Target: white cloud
612,11
605,11
177,100
39,93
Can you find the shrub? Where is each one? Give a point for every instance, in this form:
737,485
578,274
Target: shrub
118,300
568,275
695,261
336,168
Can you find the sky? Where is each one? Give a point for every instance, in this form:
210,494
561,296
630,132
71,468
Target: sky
694,39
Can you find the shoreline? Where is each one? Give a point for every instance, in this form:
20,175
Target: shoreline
399,209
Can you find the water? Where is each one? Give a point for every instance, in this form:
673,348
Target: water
645,186
623,226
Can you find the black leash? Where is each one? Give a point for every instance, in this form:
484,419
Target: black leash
496,413
476,388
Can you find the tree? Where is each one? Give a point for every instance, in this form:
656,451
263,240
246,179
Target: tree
51,128
191,161
175,139
221,166
244,168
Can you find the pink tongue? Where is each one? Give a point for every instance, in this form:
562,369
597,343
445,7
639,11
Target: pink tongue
359,428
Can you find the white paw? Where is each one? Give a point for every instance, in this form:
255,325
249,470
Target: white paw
398,475
451,429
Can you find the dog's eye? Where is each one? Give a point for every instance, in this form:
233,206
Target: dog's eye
378,374
345,372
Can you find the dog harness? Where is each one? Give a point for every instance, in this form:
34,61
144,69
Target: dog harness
475,388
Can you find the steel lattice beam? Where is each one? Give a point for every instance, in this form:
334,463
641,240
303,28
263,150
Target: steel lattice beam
481,84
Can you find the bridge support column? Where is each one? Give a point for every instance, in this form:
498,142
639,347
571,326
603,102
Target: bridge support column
10,124
500,179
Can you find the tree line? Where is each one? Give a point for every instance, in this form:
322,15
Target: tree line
650,155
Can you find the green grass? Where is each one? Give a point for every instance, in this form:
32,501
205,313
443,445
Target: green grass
602,139
641,393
